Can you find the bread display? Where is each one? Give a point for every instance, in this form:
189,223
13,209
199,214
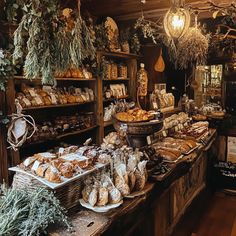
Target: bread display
100,191
171,149
115,91
134,115
64,164
46,96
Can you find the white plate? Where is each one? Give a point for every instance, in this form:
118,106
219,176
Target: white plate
64,180
101,208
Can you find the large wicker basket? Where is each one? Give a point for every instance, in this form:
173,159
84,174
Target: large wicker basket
68,194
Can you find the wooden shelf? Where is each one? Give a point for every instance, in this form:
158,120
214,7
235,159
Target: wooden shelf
119,54
58,79
58,105
125,79
76,132
108,123
113,99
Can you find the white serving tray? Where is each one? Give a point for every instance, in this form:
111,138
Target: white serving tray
99,208
65,181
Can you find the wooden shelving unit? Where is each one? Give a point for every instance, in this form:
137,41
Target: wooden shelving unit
98,130
131,61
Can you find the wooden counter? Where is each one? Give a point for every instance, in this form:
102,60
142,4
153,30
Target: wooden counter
157,211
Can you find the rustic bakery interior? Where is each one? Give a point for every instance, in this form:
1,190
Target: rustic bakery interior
118,117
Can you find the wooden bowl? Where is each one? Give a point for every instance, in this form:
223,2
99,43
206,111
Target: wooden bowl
137,132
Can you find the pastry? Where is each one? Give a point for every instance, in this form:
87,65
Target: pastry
167,155
52,175
41,170
114,196
66,169
86,192
45,156
93,197
102,196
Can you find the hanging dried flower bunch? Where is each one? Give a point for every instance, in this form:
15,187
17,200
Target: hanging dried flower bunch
192,49
53,43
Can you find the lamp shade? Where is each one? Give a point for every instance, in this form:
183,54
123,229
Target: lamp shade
176,22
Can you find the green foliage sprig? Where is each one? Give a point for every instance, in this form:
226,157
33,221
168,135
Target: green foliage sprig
7,70
29,212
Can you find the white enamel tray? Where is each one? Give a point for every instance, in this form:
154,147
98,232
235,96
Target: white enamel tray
100,208
65,181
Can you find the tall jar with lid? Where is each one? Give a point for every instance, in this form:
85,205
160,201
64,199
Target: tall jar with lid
142,80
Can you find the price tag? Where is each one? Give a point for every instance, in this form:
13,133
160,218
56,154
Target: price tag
164,133
60,151
155,106
35,165
149,141
124,128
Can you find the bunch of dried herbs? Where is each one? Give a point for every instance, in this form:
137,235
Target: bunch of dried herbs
149,29
101,41
135,44
51,47
7,70
29,212
192,49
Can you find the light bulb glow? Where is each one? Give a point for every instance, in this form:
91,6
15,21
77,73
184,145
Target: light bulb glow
177,22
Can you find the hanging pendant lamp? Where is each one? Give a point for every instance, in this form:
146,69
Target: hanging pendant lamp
177,20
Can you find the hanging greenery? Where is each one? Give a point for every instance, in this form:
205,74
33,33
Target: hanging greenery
149,29
192,49
7,70
52,43
101,41
29,212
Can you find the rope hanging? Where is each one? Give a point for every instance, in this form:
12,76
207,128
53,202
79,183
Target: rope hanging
19,128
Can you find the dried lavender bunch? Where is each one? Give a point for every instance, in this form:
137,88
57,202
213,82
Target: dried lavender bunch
29,212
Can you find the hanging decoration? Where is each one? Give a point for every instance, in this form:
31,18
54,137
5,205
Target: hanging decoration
21,128
192,48
177,20
55,40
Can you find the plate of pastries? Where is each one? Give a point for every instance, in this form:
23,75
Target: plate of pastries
135,115
58,169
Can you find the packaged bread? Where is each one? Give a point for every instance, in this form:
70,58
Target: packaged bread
52,175
121,180
102,196
114,195
93,196
140,176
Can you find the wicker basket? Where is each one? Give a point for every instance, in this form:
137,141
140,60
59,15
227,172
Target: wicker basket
68,194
